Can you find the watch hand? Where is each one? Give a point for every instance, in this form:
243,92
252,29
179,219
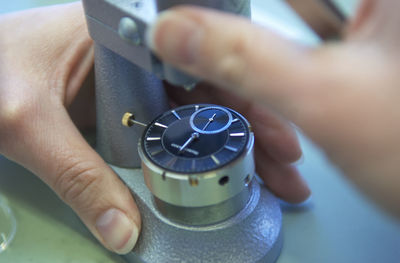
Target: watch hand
194,152
209,121
194,136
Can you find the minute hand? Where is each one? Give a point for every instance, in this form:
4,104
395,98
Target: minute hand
209,121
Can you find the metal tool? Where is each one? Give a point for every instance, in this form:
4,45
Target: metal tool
199,204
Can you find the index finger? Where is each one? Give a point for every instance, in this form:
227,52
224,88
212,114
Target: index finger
233,53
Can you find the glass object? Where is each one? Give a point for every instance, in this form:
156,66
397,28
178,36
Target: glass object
8,224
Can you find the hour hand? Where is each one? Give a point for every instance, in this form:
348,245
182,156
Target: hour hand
187,149
194,136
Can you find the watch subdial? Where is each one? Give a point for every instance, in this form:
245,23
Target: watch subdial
211,120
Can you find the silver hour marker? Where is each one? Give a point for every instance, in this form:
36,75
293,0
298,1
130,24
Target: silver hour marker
235,120
215,159
176,115
230,148
239,134
193,164
153,139
156,152
161,125
172,162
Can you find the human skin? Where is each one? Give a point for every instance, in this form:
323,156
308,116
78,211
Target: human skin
46,55
343,95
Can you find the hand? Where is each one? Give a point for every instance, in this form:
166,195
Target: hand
344,96
43,64
45,56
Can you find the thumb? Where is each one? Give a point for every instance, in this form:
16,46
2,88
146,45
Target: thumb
42,69
50,146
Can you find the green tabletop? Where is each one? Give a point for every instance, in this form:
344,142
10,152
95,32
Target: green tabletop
47,230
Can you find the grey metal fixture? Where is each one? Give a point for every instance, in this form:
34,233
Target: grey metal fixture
240,227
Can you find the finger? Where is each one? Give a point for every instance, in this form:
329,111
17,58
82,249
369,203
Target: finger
50,146
283,180
363,14
302,85
273,133
242,56
377,21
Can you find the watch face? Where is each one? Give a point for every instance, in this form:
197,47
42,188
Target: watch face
196,138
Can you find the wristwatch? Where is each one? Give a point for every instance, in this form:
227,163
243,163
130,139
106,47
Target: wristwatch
197,155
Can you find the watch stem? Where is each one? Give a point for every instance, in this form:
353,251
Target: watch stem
128,120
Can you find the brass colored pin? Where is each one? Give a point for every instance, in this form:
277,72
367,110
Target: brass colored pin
193,181
128,120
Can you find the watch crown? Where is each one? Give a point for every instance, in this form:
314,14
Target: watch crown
128,120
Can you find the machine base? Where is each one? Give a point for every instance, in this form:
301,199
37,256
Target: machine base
253,235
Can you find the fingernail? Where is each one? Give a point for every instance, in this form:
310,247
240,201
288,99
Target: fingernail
175,37
117,231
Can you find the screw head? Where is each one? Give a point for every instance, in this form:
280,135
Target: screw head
193,181
129,31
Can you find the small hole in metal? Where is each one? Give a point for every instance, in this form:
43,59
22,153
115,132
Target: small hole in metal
224,180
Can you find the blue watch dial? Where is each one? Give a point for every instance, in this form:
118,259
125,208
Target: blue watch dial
185,140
